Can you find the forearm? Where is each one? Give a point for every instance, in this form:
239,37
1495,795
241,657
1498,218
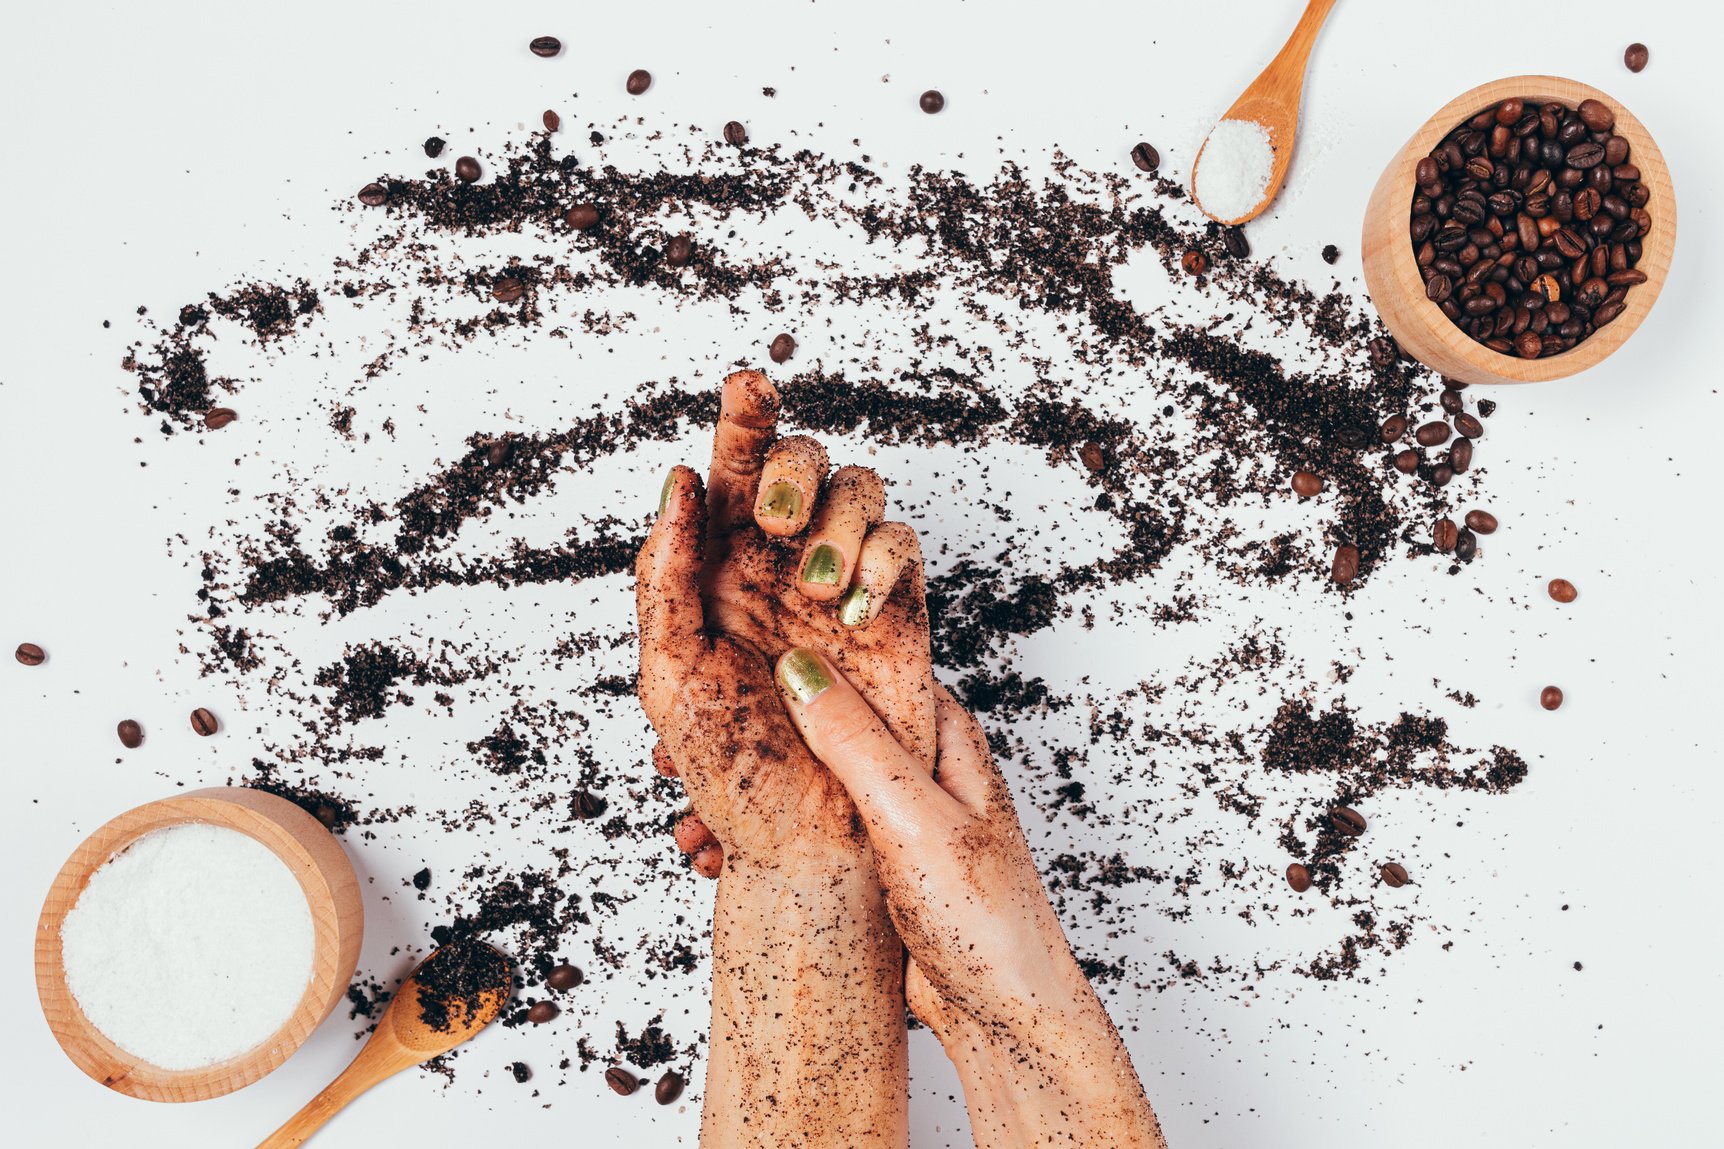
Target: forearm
808,1041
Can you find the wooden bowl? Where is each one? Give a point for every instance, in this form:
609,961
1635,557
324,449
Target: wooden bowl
337,914
1392,276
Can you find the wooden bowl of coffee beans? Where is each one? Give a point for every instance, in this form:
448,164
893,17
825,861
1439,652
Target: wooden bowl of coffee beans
1522,234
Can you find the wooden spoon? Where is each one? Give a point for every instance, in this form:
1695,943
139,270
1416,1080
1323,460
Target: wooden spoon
452,995
1272,100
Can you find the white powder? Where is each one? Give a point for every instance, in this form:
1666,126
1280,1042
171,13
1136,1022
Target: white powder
191,946
1233,169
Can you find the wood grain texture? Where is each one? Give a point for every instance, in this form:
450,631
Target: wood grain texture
1397,290
1272,99
337,912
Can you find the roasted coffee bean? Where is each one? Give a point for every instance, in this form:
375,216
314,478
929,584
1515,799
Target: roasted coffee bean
1443,536
735,134
373,195
638,82
1482,522
1353,436
519,1071
551,120
1562,590
1306,484
1394,874
1093,456
546,46
1439,288
1347,820
29,654
621,1081
1393,428
1469,426
1298,877
1145,157
1407,461
218,417
782,347
1596,115
1466,545
204,722
1449,400
1233,239
1195,262
932,101
542,1011
587,805
1550,697
467,169
563,977
679,251
507,290
1425,171
1635,57
1345,567
131,734
434,147
1432,434
668,1089
1384,351
1441,474
1529,345
582,216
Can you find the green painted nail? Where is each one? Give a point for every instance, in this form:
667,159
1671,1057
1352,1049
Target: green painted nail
853,608
804,675
781,501
824,565
664,492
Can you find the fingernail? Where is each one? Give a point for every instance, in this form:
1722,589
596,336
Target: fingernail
853,608
824,565
781,501
804,675
664,492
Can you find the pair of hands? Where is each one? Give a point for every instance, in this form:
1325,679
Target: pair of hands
785,666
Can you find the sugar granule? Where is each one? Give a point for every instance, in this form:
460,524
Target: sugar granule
1233,169
191,946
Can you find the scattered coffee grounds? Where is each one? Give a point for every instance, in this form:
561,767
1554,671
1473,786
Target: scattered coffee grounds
638,82
545,46
519,1071
455,981
422,879
1635,56
1550,697
1331,253
29,654
932,102
434,147
1526,225
131,734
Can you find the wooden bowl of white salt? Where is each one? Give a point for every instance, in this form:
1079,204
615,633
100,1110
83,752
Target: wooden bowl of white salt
190,946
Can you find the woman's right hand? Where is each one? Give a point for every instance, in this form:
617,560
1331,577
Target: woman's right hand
991,972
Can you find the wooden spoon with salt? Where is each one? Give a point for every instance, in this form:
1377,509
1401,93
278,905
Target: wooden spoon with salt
452,995
1272,102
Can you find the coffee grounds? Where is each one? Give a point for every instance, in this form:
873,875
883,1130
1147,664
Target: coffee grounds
455,981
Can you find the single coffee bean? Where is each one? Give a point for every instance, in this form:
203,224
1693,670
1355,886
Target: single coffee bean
1093,456
1461,455
1432,434
1353,436
551,120
587,805
563,977
507,290
1469,426
1195,262
782,347
1298,877
638,82
1145,157
621,1081
546,46
1306,484
1394,874
668,1089
735,134
1345,567
373,195
1482,522
1529,344
204,722
582,216
467,169
543,1011
1443,536
434,147
1550,697
679,251
519,1071
218,417
1635,57
1233,239
1407,461
1441,474
1450,401
1425,171
1347,820
1562,590
932,101
131,734
1596,115
1393,428
30,654
1466,545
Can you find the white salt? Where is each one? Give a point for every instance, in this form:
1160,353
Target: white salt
191,946
1233,169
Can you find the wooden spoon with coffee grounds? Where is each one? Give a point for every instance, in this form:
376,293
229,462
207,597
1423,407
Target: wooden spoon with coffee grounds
456,992
1272,101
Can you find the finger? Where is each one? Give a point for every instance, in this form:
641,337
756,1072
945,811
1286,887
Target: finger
747,424
789,485
855,500
965,767
661,760
889,550
667,591
898,801
692,836
709,862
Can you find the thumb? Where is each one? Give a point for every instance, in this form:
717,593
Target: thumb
898,801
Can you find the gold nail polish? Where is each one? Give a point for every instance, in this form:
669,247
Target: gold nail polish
804,675
824,565
781,501
664,492
853,608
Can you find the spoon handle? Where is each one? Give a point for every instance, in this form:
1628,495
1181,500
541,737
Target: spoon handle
353,1081
1286,72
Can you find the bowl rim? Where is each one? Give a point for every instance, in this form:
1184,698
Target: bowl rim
1397,289
325,875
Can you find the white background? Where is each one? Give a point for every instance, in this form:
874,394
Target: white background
153,152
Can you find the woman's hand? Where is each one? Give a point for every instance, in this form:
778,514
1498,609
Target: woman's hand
991,973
